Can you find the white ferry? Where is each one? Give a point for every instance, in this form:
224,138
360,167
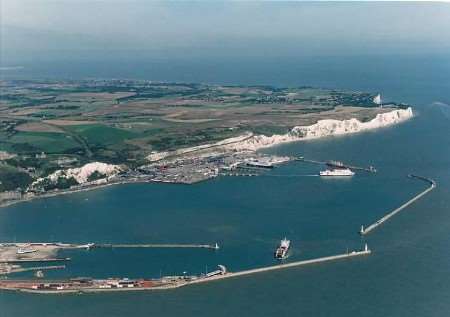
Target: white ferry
337,172
283,248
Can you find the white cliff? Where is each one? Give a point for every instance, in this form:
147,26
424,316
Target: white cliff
324,128
82,174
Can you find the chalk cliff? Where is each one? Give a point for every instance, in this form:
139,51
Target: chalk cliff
324,128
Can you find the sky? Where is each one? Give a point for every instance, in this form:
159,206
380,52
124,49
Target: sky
118,28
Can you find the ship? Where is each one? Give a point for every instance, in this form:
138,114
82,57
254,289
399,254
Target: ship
259,164
337,172
283,248
336,164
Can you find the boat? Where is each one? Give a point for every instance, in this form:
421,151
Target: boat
25,251
337,172
87,246
336,164
283,248
260,164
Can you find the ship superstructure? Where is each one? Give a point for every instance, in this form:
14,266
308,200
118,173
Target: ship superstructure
282,250
337,172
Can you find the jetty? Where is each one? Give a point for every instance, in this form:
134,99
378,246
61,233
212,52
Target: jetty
35,268
337,164
379,222
189,246
32,260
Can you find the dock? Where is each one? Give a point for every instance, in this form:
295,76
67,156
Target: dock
391,214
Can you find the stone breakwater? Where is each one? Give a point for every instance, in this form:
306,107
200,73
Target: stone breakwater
323,128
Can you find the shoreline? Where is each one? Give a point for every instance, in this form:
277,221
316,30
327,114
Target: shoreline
249,142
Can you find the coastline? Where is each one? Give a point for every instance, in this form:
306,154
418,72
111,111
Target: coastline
252,143
325,128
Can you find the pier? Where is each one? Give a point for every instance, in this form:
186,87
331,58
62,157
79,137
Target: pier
386,217
338,164
36,268
189,246
33,260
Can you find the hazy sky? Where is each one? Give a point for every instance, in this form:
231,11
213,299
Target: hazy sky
93,28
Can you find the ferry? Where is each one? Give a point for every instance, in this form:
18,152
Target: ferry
259,164
337,172
283,248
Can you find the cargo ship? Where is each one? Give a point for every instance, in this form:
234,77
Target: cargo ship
282,250
337,172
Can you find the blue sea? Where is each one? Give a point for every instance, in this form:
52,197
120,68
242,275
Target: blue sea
408,273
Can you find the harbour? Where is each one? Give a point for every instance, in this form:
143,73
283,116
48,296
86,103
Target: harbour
323,217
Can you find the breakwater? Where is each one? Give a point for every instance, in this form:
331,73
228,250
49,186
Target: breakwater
365,251
161,245
379,222
36,268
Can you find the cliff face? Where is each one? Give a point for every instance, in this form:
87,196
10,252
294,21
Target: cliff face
325,128
80,174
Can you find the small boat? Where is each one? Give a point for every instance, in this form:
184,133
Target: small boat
25,251
283,248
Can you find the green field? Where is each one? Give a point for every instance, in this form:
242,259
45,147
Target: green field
37,142
101,135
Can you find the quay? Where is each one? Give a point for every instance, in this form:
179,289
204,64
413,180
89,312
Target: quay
364,231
